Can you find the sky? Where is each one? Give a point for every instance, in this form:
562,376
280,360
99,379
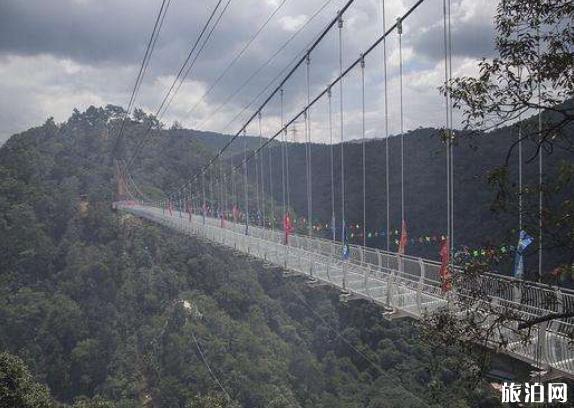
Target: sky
59,55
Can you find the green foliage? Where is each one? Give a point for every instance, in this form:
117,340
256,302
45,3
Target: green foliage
93,300
18,388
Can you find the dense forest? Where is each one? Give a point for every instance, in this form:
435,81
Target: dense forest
478,222
102,309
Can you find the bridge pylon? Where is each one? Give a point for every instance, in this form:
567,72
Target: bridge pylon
120,185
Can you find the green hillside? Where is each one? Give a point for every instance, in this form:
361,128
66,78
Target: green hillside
93,301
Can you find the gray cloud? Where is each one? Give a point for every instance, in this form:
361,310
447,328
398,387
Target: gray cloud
62,54
474,40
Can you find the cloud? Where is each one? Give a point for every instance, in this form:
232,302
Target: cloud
292,23
62,54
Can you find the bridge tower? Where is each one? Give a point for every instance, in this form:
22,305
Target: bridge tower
120,187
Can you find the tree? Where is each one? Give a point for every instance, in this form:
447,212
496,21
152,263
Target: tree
176,125
139,115
17,386
533,73
535,42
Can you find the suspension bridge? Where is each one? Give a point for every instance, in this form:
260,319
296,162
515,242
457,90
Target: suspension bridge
226,203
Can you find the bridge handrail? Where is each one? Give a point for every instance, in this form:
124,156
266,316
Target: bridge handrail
495,281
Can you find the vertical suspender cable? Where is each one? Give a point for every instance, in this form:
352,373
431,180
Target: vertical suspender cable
540,163
447,122
257,203
271,189
308,151
246,192
227,196
283,154
287,179
224,188
387,176
364,154
232,182
204,205
333,224
211,200
451,127
519,162
192,195
221,186
341,107
400,32
235,187
261,174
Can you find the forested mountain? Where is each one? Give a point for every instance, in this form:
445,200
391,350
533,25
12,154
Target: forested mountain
478,158
108,310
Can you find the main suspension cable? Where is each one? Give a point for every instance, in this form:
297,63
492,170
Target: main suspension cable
283,81
145,62
180,75
238,55
336,80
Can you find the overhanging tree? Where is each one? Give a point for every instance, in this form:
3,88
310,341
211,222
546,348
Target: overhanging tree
532,74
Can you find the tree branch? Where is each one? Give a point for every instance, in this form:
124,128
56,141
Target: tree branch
545,318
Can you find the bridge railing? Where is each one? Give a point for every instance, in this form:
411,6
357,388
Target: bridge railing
545,298
406,283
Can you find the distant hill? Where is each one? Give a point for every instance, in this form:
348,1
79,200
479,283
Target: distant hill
215,141
476,155
170,157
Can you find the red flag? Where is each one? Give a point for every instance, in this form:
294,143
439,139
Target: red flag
404,239
235,213
445,276
287,227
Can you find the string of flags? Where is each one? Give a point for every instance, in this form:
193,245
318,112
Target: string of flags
401,239
354,232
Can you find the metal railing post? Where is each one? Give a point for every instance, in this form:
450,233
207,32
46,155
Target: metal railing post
420,285
542,344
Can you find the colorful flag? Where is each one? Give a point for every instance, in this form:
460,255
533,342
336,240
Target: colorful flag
404,239
445,276
287,227
523,241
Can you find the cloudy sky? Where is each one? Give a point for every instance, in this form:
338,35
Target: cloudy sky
59,54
